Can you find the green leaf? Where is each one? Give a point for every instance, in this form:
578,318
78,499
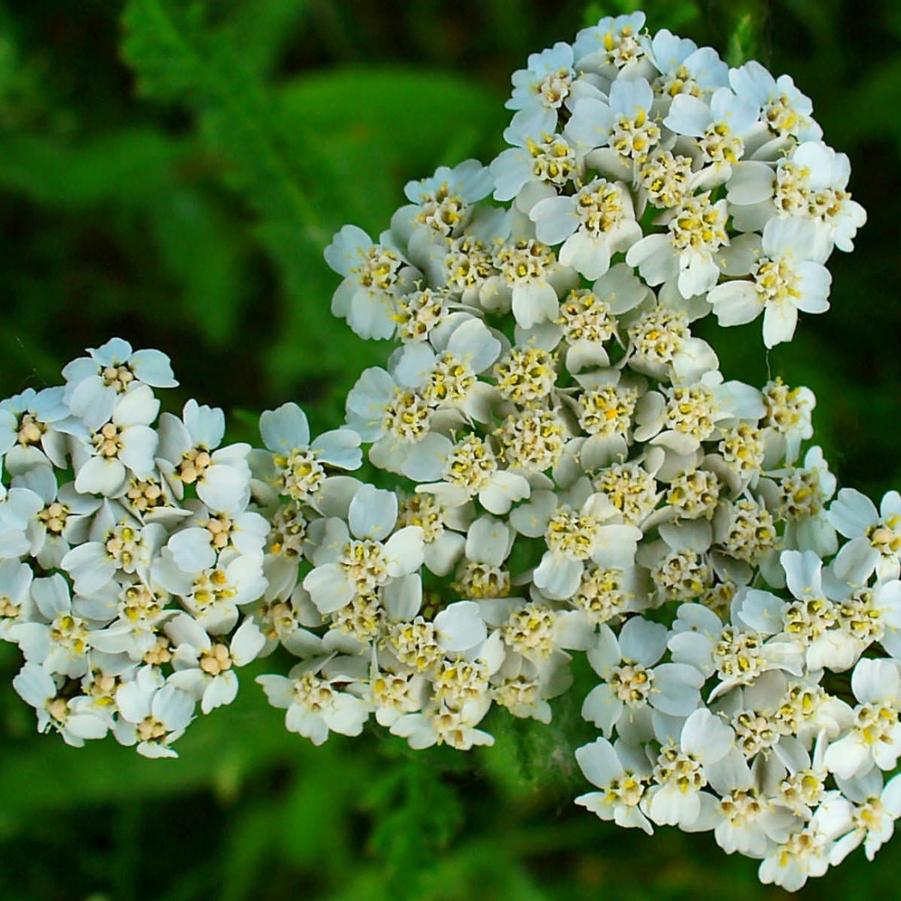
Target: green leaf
128,166
177,58
203,254
264,28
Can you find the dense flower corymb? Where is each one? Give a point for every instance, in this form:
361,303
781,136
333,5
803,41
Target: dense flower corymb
572,470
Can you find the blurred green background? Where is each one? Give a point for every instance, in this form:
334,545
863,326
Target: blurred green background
170,173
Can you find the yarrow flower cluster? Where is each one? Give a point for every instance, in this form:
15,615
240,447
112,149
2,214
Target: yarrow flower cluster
127,553
573,473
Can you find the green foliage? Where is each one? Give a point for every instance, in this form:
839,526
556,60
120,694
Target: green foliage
170,172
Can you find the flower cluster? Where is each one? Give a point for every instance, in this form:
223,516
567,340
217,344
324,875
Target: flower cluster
596,483
127,552
346,597
571,472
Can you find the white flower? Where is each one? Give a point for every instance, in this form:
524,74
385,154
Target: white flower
812,617
611,45
204,669
398,419
445,372
803,855
875,738
122,445
748,820
443,725
153,713
441,526
359,556
442,204
61,644
621,782
61,518
872,818
206,535
738,652
375,276
875,615
573,536
874,535
298,465
545,84
635,680
685,69
689,414
811,182
135,630
190,455
96,382
115,543
787,421
395,694
784,108
623,122
721,127
37,433
213,594
684,769
660,341
472,469
537,162
319,698
593,224
530,281
688,252
679,562
788,277
74,722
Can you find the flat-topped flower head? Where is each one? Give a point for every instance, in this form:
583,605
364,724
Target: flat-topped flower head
564,466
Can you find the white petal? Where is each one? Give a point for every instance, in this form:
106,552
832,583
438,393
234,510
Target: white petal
100,475
285,429
404,551
460,627
247,642
328,588
599,762
34,685
224,489
372,513
642,641
192,549
221,691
